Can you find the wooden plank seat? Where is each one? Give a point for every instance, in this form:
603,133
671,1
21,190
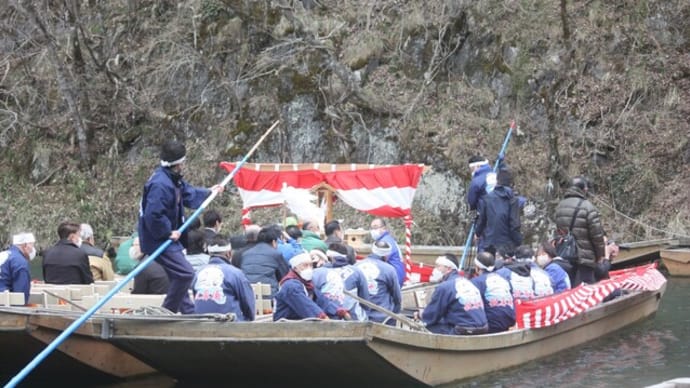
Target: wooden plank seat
11,298
262,299
122,302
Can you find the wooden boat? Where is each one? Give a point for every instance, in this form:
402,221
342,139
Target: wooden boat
210,349
676,261
81,357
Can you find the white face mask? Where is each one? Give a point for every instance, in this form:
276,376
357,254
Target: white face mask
134,253
436,275
306,274
375,233
543,260
78,242
32,253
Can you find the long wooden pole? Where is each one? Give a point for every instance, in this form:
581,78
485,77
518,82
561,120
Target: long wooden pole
75,325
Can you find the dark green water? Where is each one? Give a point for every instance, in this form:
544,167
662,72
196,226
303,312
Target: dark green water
646,353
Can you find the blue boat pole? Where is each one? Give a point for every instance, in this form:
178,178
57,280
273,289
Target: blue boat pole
75,325
501,155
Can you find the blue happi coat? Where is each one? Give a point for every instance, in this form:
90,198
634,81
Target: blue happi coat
14,272
521,283
333,279
455,302
295,301
498,301
382,285
162,209
222,288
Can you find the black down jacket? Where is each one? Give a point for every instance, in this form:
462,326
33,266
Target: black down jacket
587,228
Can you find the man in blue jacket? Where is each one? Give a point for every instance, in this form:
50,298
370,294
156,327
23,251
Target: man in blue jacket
220,287
161,213
379,232
456,306
382,282
14,265
498,218
480,169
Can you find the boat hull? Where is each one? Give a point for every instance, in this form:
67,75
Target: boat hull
350,353
676,261
79,358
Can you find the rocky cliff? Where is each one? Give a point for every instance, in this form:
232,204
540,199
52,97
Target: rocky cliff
89,90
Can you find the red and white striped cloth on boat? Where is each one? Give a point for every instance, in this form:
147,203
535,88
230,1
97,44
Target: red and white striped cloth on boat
557,308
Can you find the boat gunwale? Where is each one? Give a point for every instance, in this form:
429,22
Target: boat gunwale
120,327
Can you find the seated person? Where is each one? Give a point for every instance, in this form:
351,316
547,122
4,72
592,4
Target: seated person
540,279
220,287
124,263
101,266
337,276
298,298
196,249
495,290
15,273
548,259
151,280
382,282
262,262
517,273
66,262
456,306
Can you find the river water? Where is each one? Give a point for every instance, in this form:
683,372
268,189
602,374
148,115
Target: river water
646,353
649,352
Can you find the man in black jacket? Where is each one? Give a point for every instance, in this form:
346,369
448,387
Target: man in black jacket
65,262
587,229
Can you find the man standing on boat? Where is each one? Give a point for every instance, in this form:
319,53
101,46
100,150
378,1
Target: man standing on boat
480,170
15,275
161,213
379,232
587,229
498,216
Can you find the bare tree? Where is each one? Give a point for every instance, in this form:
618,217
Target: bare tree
66,83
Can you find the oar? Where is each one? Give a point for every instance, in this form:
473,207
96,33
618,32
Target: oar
501,155
75,325
389,313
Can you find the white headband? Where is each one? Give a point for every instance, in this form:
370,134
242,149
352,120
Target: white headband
174,162
300,259
332,254
380,251
23,238
442,260
479,264
219,249
479,163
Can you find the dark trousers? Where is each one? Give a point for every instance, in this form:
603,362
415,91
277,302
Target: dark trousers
583,274
180,274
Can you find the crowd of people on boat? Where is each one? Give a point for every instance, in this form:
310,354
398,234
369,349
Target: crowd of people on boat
312,272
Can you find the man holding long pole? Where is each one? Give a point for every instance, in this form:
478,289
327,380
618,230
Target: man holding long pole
75,325
161,213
